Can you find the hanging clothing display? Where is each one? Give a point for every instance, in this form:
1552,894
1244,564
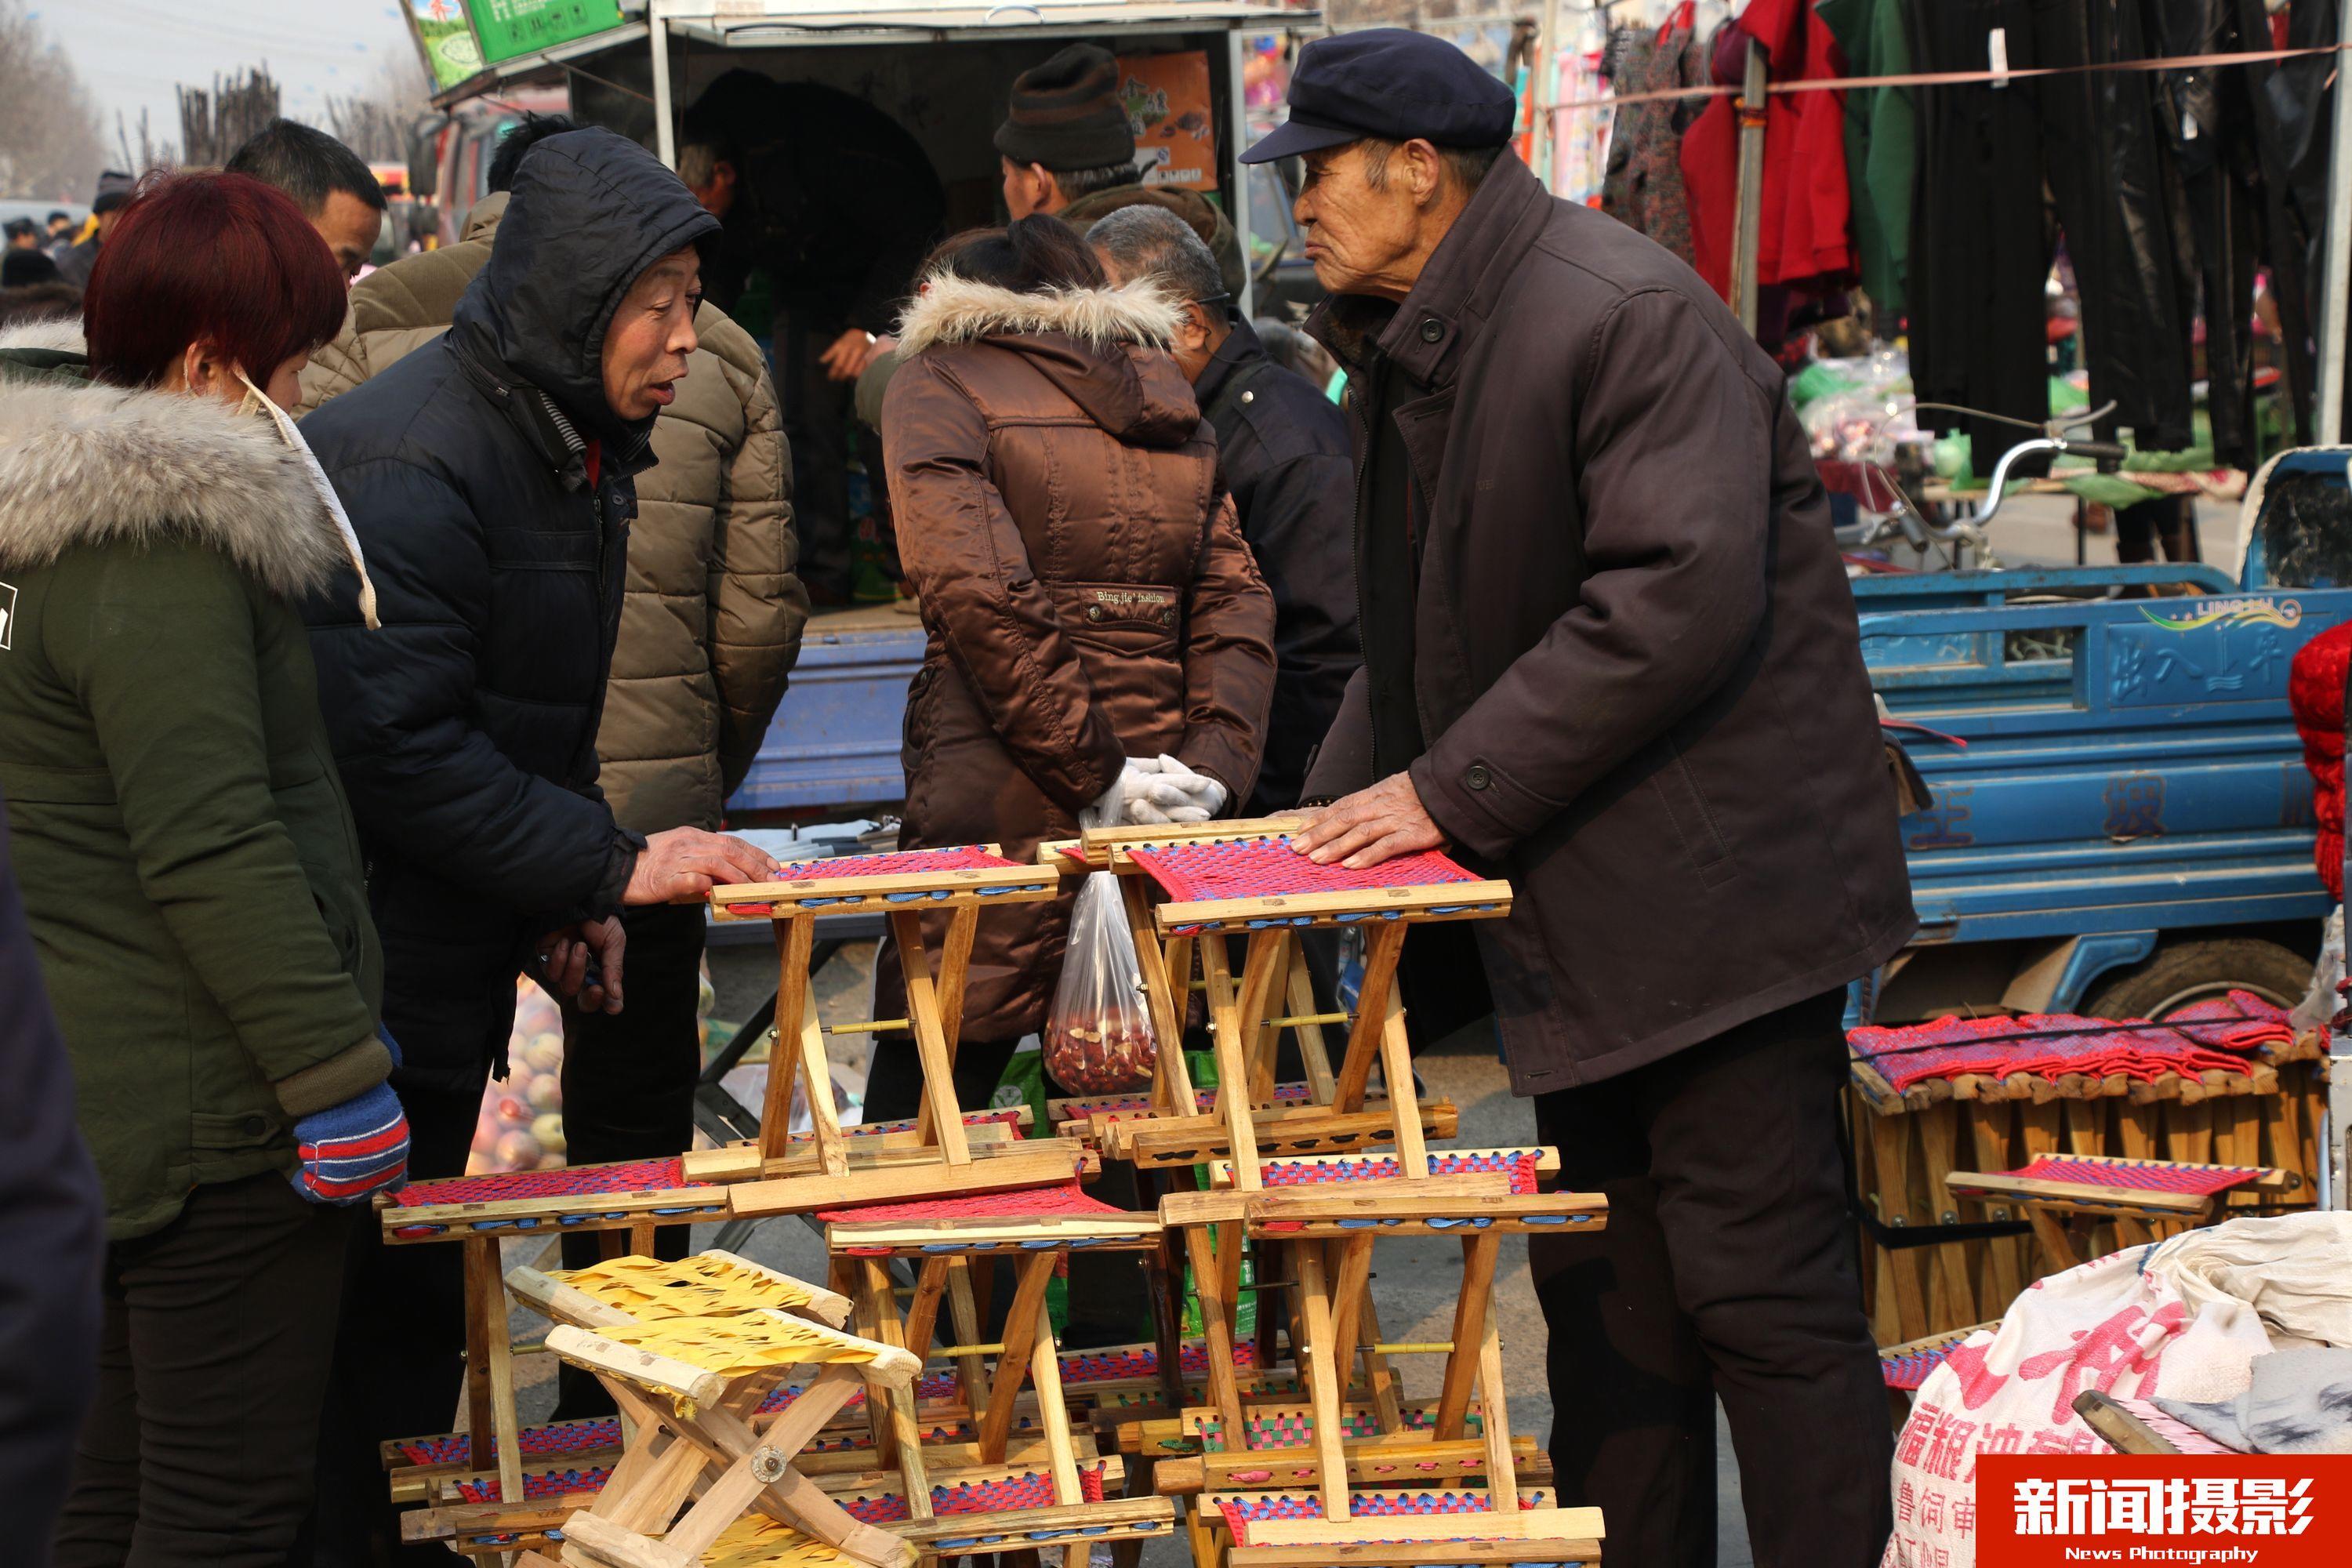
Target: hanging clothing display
1802,233
1981,242
1644,188
1881,150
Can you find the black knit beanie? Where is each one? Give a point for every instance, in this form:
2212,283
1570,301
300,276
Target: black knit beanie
1065,113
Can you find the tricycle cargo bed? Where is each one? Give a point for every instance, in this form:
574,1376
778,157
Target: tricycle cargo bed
2100,764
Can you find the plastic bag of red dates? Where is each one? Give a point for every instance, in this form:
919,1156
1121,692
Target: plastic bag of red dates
1099,1034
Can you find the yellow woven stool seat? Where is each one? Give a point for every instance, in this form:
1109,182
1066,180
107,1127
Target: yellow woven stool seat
756,1542
708,1285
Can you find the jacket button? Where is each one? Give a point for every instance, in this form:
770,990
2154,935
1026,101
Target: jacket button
1249,397
1167,617
1478,777
254,1127
1431,329
1094,612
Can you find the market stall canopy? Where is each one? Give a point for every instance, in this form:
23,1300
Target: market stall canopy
757,23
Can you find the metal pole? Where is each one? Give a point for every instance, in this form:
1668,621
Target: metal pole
1232,173
665,127
2336,281
1748,216
1543,91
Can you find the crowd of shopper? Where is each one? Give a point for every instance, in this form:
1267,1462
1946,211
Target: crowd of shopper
314,737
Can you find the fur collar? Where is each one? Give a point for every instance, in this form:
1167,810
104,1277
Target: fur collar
952,310
91,464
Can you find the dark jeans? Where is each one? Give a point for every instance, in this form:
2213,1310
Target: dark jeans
1727,1269
400,1357
628,1085
212,1365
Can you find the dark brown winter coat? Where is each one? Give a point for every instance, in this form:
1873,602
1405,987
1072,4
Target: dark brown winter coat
1637,663
1085,588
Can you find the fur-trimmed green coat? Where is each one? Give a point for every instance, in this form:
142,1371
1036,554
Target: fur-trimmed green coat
188,862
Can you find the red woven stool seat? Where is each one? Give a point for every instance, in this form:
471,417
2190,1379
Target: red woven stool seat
564,1182
2213,1036
537,1484
456,1449
1910,1369
899,863
2150,1178
1519,1163
1066,1199
1268,867
1006,1494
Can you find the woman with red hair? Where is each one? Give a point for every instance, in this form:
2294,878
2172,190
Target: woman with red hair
190,870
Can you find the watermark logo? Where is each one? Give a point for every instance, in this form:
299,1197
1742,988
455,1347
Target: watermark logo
2203,1512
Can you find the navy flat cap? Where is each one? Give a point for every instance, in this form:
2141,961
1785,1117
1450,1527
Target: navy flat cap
1391,84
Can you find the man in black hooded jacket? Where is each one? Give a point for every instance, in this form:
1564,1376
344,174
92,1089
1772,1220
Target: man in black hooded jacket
490,478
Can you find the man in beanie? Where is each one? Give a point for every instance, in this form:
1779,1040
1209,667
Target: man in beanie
1611,655
1069,150
74,263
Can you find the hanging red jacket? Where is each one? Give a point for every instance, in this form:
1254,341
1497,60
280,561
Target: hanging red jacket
1803,237
2315,690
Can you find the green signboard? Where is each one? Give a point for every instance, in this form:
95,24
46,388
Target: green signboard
448,39
512,27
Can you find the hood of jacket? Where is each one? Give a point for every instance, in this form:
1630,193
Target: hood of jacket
84,463
590,211
1105,349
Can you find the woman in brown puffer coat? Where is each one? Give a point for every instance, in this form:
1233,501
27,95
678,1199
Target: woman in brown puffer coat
1086,587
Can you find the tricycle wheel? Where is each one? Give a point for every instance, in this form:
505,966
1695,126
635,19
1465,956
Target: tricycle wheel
2190,972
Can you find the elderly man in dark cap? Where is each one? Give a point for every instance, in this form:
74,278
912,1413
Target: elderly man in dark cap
1611,655
1069,150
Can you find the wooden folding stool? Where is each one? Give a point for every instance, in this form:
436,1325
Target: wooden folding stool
1036,1230
691,1389
944,1159
1249,885
2061,1193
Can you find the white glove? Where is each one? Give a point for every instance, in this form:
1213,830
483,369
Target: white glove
1162,789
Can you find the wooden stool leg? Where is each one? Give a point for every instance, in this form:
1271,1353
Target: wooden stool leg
1312,1051
1232,1065
1315,1357
1022,1320
489,1366
1396,1067
1381,951
1171,1079
897,1435
930,1043
1380,1377
796,937
955,966
1216,1321
963,1314
1471,1310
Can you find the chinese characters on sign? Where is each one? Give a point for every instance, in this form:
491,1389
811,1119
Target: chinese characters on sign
2205,1511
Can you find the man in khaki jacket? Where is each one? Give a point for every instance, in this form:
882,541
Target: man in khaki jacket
709,630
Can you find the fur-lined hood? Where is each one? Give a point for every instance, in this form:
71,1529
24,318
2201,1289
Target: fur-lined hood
91,464
952,310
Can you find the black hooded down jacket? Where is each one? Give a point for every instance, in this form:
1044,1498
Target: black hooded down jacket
466,727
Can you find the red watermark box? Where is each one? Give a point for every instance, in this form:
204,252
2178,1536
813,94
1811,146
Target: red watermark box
2054,1510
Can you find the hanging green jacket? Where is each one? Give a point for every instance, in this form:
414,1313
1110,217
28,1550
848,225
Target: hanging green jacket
189,867
1880,137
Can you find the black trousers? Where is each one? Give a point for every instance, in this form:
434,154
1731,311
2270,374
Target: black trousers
1727,1269
212,1367
400,1357
628,1085
816,412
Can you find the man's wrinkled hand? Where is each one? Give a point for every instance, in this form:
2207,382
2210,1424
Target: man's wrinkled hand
1370,826
683,864
582,963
